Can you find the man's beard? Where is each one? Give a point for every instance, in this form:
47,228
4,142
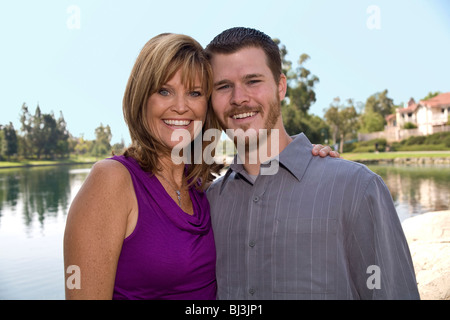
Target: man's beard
252,143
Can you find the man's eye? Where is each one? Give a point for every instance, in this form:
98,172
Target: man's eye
226,86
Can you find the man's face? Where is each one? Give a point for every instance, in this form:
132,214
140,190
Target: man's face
245,94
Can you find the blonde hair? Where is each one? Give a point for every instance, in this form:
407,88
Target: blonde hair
158,61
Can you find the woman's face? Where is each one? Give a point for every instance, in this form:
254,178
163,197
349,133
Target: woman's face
174,107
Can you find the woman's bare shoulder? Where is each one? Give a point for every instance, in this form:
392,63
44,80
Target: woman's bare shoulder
110,170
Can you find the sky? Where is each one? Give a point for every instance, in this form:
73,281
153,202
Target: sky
75,56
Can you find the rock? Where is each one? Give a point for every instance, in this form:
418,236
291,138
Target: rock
428,238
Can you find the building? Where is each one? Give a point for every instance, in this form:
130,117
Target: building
415,119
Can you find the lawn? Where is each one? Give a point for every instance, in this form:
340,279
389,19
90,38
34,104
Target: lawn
394,155
348,156
25,163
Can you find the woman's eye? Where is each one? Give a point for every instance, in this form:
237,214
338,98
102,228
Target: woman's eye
195,94
163,92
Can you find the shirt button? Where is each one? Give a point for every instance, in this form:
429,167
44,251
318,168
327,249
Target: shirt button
251,291
255,199
252,244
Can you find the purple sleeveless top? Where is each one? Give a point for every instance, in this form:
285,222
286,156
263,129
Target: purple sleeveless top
170,254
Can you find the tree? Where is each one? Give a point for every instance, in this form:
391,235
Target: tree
380,103
49,135
26,148
343,121
372,122
102,141
62,146
82,146
43,134
431,95
119,148
377,107
37,134
9,144
301,87
300,96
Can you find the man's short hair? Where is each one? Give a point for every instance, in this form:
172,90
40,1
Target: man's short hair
235,39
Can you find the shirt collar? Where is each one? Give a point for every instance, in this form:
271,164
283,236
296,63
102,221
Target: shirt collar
295,158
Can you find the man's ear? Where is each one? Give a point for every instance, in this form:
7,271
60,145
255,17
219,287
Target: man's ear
282,86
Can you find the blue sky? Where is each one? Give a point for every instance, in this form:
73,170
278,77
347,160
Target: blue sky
81,66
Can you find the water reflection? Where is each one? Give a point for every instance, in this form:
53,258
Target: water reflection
34,204
33,209
417,189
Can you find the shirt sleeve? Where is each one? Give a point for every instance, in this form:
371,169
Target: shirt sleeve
379,259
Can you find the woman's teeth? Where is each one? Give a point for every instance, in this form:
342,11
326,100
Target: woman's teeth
177,122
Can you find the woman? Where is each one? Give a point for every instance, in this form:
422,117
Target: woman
140,228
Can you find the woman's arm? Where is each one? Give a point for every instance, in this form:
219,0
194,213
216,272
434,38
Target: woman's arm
97,223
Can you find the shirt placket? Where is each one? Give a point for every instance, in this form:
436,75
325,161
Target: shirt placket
256,202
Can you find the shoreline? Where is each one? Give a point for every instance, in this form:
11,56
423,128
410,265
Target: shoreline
406,161
402,158
29,165
428,237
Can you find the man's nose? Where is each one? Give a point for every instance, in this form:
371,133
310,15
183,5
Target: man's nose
239,96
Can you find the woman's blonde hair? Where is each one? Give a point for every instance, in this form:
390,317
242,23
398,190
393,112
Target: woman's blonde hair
158,61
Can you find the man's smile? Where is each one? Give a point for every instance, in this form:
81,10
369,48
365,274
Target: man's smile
244,115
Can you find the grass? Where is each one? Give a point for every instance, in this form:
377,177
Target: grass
394,155
31,162
348,156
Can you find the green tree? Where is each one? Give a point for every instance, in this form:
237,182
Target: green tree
372,122
377,107
300,96
9,143
119,148
343,121
48,135
83,146
25,145
431,95
63,145
300,91
37,133
43,134
102,141
380,103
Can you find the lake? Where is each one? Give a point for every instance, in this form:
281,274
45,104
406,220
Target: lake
34,203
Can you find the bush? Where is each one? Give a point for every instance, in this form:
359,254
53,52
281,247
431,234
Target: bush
415,140
423,147
447,141
367,146
409,125
364,149
434,142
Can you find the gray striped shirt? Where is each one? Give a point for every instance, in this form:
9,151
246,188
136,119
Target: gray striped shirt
320,228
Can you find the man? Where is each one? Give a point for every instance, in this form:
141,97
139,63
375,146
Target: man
315,228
